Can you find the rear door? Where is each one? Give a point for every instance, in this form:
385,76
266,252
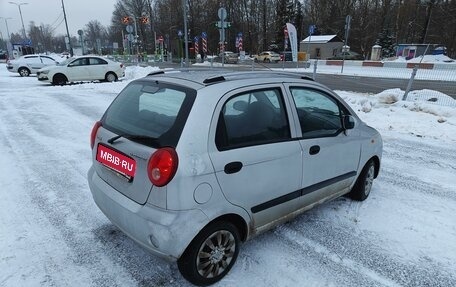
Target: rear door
97,68
33,63
257,164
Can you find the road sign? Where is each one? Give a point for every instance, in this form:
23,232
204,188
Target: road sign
311,29
129,29
125,19
144,19
222,13
160,39
80,32
222,24
130,37
179,33
204,35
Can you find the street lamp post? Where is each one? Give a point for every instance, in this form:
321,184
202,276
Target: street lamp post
184,4
20,12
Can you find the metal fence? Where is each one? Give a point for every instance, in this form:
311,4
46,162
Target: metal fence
365,76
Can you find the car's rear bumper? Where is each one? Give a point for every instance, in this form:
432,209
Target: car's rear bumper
165,233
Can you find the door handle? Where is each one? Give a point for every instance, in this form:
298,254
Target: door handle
314,149
233,167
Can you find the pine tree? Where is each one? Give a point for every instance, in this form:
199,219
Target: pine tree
386,40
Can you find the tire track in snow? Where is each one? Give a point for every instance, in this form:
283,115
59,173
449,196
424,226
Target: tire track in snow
73,215
350,250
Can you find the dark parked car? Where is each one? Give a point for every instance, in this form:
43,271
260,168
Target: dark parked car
350,55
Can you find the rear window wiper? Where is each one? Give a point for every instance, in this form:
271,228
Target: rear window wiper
133,138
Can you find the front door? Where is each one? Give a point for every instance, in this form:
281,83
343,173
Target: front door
330,153
78,70
257,164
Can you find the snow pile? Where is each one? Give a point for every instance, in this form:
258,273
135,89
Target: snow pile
431,59
135,72
434,119
426,59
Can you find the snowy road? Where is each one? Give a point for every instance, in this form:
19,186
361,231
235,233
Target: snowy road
52,234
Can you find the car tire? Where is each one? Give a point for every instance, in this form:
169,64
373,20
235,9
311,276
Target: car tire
363,185
211,254
59,79
24,72
110,77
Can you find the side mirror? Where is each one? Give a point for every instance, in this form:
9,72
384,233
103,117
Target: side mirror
349,122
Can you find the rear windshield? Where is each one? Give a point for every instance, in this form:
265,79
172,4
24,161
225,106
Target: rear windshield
151,113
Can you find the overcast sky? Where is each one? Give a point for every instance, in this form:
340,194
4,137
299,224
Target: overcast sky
49,12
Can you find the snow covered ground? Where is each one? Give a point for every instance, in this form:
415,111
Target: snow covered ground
52,234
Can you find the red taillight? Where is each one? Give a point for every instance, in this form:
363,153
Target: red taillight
94,133
162,166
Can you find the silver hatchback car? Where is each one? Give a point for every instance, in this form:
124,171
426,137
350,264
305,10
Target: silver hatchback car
191,163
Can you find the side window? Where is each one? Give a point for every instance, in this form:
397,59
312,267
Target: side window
47,61
33,60
79,62
252,118
319,114
96,61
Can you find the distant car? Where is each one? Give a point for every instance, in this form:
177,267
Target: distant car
29,64
229,57
191,163
82,68
350,55
267,57
3,55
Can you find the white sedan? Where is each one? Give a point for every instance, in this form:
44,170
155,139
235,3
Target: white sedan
268,57
82,68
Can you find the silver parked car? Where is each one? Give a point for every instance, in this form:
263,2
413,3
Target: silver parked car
29,64
190,164
229,57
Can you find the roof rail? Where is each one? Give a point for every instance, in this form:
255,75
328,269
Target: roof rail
159,72
236,75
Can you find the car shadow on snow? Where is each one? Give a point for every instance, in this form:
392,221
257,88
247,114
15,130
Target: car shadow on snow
143,267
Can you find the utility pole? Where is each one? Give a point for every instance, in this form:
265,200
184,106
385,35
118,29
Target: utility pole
68,32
